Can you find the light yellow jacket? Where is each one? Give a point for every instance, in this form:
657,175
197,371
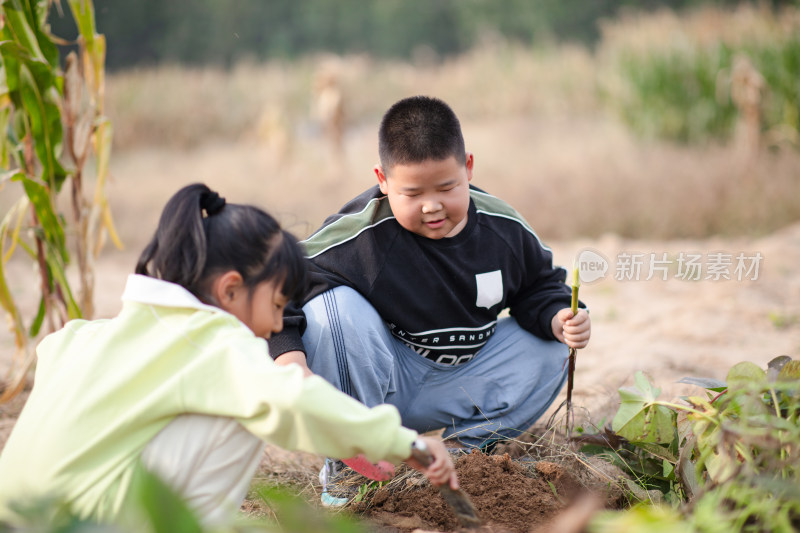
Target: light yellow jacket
104,388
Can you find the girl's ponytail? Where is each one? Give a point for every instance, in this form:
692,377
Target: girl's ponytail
199,236
177,252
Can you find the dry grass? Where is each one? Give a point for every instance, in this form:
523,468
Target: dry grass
183,107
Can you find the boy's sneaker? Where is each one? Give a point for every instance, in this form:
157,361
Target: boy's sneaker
336,492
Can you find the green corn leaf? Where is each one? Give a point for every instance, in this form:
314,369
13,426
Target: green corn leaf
15,55
33,104
56,267
10,51
83,13
10,307
94,46
38,320
639,419
45,120
5,143
19,130
26,19
19,25
9,229
5,98
46,44
45,212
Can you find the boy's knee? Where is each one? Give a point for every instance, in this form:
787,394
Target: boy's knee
339,308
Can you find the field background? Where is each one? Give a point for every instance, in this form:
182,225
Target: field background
549,135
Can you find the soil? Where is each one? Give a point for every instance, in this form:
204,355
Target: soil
509,495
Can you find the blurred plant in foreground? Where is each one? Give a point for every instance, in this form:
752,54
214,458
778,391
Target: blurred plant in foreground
153,507
53,124
727,462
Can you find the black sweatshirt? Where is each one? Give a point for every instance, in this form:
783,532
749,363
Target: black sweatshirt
441,297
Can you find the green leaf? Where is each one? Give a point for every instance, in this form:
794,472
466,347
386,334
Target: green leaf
83,13
48,47
32,89
45,212
10,51
659,451
38,320
650,391
5,143
790,371
45,120
643,494
55,265
14,55
668,469
20,27
294,514
639,418
720,467
686,469
9,305
650,518
707,383
165,511
745,374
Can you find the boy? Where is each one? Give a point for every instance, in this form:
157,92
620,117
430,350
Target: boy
408,281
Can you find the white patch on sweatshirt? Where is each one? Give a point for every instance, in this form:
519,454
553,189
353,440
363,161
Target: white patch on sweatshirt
490,288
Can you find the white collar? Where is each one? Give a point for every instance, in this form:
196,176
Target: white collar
146,290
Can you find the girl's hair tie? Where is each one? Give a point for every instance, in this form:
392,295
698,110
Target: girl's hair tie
211,202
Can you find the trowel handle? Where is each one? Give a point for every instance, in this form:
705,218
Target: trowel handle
420,452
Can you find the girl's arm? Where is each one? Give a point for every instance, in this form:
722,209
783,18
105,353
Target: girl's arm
294,357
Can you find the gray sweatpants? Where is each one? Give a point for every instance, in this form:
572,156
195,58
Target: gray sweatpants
500,393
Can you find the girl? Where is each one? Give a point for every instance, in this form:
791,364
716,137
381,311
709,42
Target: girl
180,381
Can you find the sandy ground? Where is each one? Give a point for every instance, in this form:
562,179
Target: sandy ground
668,329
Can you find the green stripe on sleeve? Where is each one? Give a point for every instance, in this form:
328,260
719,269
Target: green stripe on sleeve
348,227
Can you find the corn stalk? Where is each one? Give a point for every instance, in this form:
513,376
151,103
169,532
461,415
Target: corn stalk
53,125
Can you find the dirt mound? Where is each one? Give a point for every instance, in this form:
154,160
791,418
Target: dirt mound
509,495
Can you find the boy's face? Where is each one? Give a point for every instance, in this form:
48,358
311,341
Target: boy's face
430,198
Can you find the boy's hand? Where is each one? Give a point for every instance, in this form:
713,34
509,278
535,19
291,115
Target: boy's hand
441,470
574,331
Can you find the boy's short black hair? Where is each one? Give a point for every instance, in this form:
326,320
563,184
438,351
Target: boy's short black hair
417,129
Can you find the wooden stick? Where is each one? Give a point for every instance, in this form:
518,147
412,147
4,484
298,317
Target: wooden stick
576,283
